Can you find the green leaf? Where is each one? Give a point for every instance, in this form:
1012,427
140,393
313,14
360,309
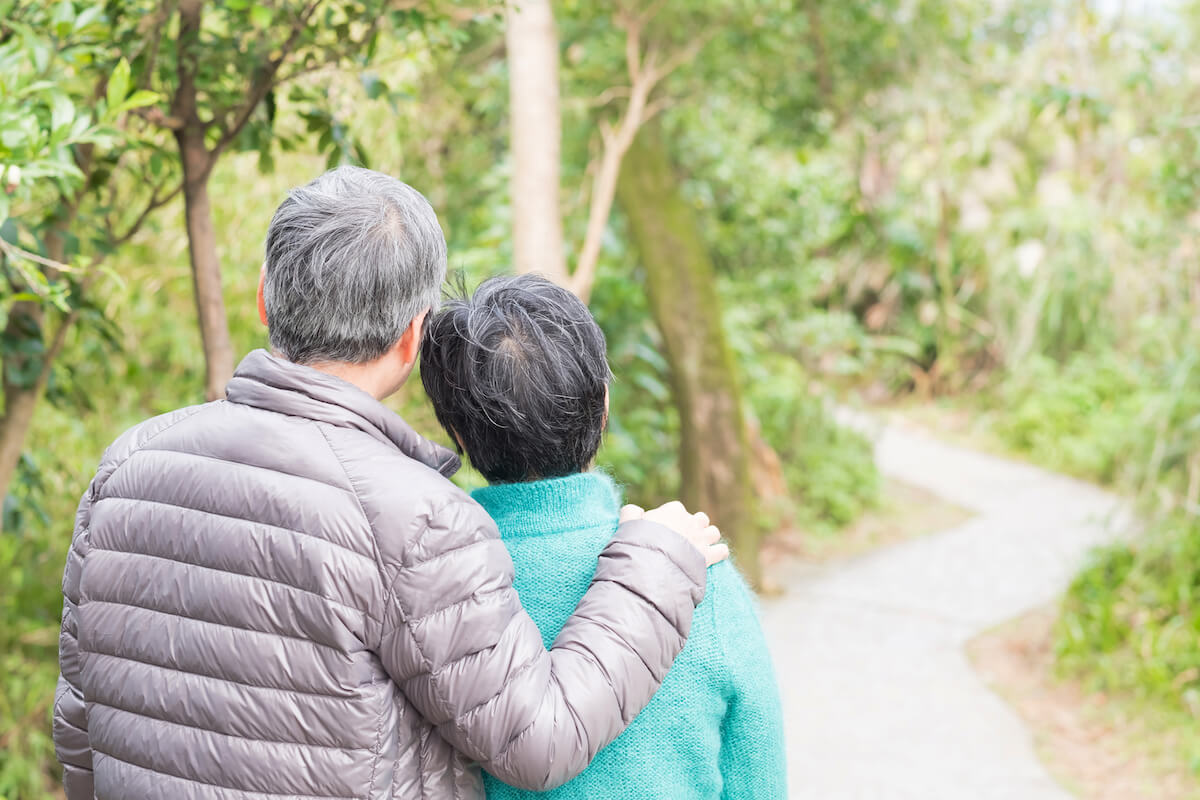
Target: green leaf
41,54
139,99
80,125
261,16
12,138
62,111
375,87
37,87
64,18
3,204
88,16
118,85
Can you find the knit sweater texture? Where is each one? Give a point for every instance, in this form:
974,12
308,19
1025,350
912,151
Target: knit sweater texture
715,728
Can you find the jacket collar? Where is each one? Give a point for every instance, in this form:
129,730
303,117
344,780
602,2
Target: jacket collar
276,384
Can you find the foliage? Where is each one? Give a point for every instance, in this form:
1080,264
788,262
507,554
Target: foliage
943,198
1074,417
49,111
829,470
250,61
1130,621
39,110
1019,224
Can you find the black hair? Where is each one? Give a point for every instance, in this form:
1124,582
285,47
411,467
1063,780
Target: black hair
518,376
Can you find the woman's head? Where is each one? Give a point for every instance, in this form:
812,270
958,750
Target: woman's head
518,375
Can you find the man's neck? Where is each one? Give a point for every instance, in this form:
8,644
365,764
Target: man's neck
368,377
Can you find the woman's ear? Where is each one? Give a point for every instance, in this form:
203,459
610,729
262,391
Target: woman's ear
606,396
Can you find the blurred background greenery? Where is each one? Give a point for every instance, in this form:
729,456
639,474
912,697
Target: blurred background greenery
771,205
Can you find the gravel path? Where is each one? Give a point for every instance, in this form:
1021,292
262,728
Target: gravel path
881,701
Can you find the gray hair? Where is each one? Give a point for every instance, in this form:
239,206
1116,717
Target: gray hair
352,258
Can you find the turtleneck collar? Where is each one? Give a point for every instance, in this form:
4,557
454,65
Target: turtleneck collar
554,505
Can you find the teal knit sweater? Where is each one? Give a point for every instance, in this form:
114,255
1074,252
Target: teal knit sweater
715,728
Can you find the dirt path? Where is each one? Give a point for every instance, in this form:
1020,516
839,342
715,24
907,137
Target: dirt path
881,701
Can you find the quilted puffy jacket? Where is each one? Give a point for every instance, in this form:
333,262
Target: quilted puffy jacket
280,595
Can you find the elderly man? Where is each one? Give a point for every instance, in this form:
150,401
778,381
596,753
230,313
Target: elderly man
281,595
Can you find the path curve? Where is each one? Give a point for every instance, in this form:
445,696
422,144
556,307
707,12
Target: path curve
880,700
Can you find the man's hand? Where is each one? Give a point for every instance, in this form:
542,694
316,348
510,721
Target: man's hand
694,527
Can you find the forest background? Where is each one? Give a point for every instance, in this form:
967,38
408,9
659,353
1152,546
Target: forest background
772,206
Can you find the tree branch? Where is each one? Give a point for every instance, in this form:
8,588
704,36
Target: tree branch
50,355
156,202
156,116
332,57
13,251
645,73
681,57
265,81
656,107
607,96
157,22
633,44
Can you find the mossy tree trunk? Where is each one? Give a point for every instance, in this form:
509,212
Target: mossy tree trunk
714,453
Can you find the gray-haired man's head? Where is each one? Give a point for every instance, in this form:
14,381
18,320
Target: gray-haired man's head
517,374
352,258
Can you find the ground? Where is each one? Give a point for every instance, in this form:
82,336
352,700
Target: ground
904,512
881,699
1101,748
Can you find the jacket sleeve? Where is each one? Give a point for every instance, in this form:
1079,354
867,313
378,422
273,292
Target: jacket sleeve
469,658
70,714
753,762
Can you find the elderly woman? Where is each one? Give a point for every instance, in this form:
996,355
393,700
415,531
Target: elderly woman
519,378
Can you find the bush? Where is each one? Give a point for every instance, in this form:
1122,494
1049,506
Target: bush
829,470
1131,621
1079,417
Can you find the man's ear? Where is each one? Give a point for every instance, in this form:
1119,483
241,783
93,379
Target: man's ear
410,340
262,303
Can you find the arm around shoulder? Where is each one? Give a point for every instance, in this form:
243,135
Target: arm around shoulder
458,643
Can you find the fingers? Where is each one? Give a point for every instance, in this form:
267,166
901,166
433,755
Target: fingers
715,554
631,512
696,528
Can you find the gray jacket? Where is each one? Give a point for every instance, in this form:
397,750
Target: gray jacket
280,595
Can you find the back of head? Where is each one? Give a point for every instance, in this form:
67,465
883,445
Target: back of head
518,375
352,258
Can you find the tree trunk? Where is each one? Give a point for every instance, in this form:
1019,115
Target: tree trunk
21,397
20,400
536,132
714,454
206,269
816,40
202,240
